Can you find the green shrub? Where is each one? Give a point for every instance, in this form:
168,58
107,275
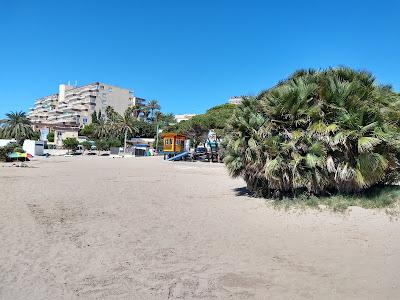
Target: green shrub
86,145
70,143
50,137
4,151
102,145
10,147
106,144
88,130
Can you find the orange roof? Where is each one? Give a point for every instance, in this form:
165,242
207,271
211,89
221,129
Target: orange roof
173,135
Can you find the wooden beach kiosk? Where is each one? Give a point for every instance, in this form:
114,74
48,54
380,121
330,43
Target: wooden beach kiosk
173,144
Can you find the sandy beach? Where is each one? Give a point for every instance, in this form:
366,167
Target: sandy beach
143,228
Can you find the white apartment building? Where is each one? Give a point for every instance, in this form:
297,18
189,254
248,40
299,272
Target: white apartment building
235,100
71,108
185,117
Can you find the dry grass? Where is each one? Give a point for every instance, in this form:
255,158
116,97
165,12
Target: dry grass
386,197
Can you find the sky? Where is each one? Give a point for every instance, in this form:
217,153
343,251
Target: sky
189,55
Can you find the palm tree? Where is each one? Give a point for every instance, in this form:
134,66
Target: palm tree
168,118
16,126
153,106
111,114
122,124
137,110
102,129
157,116
317,132
146,113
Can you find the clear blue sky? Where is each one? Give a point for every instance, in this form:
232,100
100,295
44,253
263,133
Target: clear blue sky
189,55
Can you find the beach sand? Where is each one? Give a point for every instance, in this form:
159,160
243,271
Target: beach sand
143,228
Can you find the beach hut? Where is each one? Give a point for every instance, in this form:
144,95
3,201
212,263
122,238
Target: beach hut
173,143
141,150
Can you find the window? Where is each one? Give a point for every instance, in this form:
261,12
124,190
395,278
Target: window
84,120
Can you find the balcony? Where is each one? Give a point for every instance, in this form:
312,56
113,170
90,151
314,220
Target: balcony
71,97
92,88
85,101
79,107
48,100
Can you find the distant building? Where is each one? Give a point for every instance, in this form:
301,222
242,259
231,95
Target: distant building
185,117
235,100
138,101
72,107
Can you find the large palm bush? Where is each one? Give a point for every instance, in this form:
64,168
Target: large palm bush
17,126
318,132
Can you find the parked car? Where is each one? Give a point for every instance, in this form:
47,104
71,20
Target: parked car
201,150
200,153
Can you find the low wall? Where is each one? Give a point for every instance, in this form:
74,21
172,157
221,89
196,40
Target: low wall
55,152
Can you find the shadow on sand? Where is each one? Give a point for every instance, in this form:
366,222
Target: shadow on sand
242,191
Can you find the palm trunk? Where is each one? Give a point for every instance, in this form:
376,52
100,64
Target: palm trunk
156,147
126,136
